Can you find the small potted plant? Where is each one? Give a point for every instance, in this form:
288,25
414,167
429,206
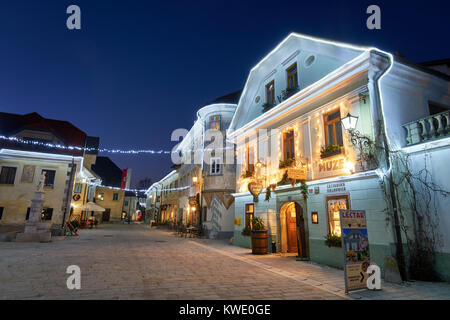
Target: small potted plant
330,150
332,240
259,236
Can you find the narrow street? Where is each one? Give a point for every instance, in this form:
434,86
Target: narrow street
134,262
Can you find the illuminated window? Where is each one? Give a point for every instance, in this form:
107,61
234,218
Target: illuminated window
334,204
214,122
333,128
249,213
291,73
315,217
8,175
270,93
288,145
47,214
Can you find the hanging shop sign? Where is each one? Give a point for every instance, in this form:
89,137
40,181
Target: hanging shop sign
255,189
296,173
355,245
76,197
193,201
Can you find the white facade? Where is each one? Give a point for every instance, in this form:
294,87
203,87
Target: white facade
332,78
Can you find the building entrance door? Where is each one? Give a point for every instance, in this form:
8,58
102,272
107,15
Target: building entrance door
291,224
105,215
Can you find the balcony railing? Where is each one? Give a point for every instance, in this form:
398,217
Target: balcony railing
432,127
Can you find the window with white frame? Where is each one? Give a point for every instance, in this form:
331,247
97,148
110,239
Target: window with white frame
216,166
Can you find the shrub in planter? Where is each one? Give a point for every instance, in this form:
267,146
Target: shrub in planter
247,231
333,241
287,93
286,163
259,236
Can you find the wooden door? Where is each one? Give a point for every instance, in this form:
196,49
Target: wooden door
301,232
105,215
291,223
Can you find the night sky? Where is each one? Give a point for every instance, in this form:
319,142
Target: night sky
139,69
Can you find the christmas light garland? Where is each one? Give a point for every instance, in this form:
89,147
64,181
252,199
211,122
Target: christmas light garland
100,150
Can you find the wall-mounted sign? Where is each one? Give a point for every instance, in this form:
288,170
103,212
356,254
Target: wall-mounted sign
237,221
255,189
76,197
355,245
296,173
336,187
331,167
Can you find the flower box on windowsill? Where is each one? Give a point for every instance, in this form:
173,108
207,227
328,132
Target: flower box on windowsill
267,106
248,174
330,151
286,163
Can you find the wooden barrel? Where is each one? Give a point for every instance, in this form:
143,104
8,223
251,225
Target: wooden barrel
259,242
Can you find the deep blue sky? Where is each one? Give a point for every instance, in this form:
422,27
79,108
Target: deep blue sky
139,69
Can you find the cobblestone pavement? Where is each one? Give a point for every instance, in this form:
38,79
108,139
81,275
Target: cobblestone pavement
135,262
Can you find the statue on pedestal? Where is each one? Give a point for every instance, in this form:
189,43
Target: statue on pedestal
40,186
35,229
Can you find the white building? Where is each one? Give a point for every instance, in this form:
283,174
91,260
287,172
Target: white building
289,117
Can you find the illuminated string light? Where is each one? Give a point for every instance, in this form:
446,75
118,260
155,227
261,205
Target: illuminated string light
101,150
138,190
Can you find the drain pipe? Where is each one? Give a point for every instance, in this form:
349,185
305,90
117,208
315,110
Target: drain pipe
375,77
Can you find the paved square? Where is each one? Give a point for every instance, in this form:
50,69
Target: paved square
136,262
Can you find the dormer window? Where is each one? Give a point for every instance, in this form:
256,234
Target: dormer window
292,79
270,93
214,122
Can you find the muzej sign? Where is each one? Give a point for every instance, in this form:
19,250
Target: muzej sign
355,244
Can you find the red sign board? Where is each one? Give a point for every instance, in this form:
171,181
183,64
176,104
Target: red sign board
124,179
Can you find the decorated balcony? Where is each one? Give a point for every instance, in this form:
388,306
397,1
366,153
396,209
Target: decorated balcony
433,127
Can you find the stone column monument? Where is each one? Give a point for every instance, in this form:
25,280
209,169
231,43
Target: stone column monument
35,229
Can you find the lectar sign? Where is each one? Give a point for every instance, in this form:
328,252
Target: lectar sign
355,245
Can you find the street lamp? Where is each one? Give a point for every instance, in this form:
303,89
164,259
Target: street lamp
349,122
194,179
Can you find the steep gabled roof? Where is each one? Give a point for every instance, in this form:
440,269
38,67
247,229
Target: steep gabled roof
293,45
